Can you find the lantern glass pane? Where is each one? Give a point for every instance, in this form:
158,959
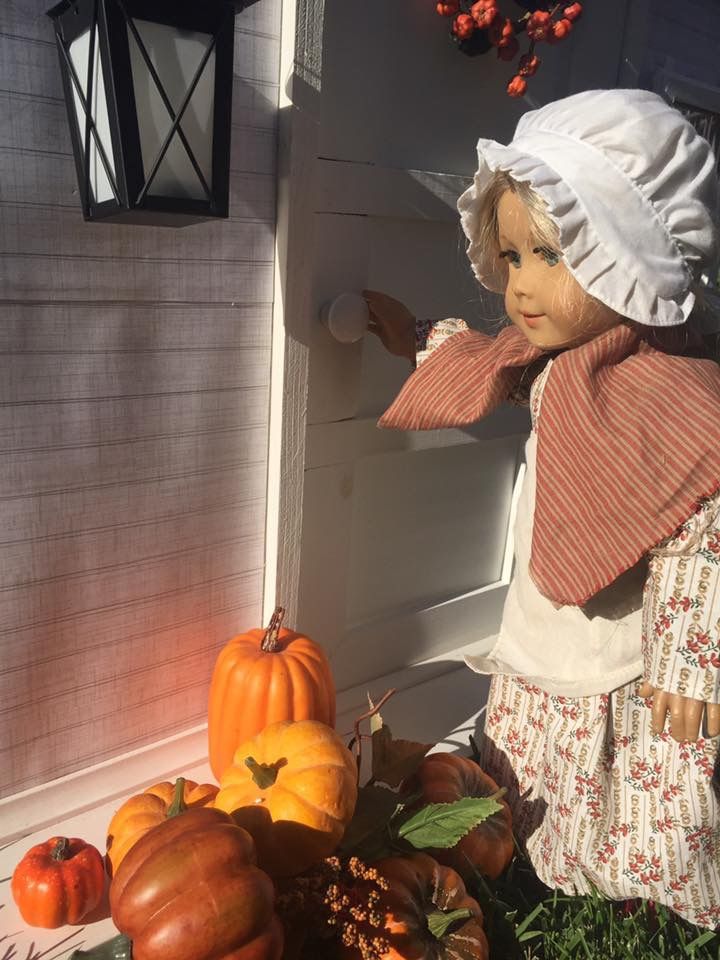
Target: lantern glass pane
100,186
176,56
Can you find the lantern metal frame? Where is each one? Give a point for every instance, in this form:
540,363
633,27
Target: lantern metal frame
109,23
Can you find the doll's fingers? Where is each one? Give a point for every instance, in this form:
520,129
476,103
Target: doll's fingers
693,714
376,300
676,706
712,719
645,689
659,710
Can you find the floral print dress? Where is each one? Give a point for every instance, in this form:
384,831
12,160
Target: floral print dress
598,800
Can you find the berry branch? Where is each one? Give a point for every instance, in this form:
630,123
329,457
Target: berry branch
479,26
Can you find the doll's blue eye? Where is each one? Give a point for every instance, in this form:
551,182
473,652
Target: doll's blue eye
511,255
551,257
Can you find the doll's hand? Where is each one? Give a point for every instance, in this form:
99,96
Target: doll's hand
392,322
685,713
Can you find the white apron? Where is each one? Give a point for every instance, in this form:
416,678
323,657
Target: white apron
570,651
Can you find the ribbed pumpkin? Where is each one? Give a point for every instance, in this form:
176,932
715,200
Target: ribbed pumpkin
262,677
146,810
446,777
190,890
293,787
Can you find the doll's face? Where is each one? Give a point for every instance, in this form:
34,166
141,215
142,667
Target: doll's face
542,298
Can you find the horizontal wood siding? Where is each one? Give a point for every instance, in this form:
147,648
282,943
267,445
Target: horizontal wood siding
134,390
684,39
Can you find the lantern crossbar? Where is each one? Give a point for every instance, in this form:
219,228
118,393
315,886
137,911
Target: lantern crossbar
89,88
175,128
89,122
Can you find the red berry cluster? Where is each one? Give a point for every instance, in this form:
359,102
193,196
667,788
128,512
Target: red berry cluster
479,26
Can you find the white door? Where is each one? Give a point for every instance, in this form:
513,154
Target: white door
392,547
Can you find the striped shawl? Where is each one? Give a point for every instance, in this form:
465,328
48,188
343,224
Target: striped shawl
628,442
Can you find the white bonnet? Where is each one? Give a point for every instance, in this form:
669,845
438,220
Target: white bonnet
632,188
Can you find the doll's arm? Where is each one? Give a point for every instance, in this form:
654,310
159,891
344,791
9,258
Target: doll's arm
401,333
681,624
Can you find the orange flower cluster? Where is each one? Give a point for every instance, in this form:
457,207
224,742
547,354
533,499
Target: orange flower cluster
337,898
479,26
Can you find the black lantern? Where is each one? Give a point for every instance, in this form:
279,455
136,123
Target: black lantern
148,89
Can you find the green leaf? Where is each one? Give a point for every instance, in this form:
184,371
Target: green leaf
394,760
439,923
444,824
374,809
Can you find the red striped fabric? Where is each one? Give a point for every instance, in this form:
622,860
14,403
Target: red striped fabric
628,443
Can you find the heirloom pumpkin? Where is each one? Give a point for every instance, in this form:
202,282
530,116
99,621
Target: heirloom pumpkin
294,788
57,882
446,777
428,913
189,889
148,809
262,677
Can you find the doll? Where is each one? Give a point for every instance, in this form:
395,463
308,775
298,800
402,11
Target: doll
603,716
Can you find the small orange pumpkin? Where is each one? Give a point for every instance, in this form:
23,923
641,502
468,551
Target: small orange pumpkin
146,810
58,882
262,677
421,893
446,777
294,788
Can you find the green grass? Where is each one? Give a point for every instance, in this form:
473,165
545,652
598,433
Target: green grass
525,920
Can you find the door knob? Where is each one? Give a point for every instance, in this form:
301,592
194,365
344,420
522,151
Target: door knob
346,317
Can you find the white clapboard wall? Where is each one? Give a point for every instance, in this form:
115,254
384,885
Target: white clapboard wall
134,393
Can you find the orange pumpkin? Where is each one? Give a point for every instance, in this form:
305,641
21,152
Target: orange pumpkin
446,777
294,788
262,677
146,810
58,882
420,894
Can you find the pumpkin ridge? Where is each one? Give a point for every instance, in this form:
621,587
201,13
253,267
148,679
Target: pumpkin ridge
303,681
325,685
303,746
287,787
327,818
256,679
278,700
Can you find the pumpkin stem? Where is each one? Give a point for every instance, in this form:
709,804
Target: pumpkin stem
264,774
178,804
500,792
439,923
61,850
270,640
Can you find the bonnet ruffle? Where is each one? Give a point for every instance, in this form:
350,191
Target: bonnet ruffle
632,188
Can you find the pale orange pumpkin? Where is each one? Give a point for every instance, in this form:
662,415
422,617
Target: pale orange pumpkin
262,677
146,810
293,787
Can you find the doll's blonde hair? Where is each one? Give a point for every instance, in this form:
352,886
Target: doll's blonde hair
705,316
544,229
